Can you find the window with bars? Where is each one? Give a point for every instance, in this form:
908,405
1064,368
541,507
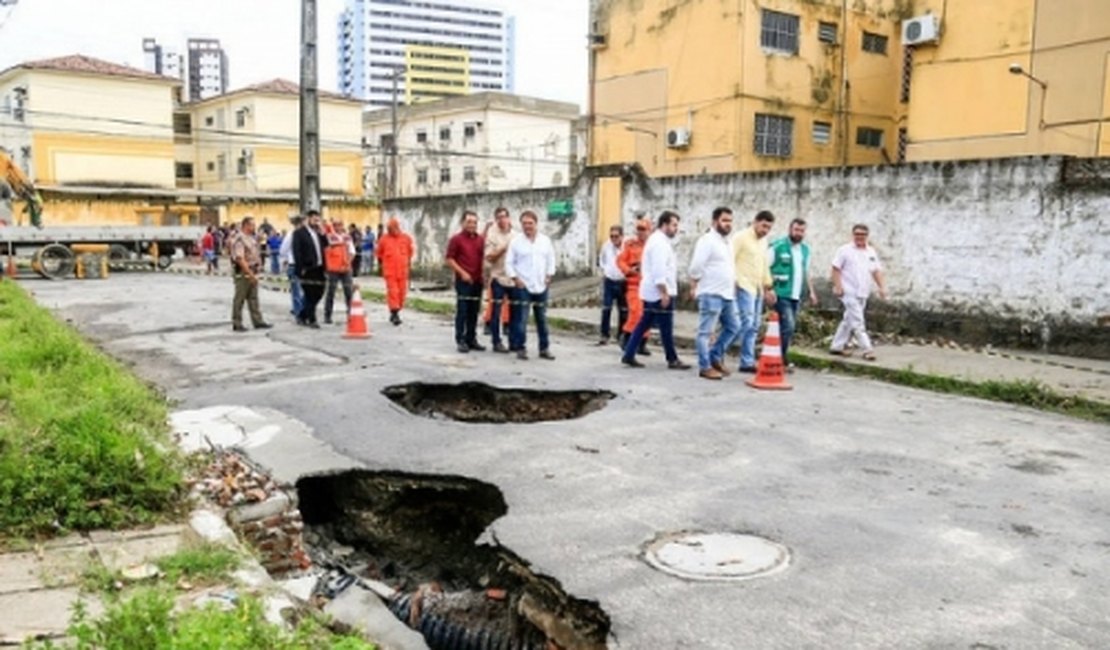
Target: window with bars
779,32
826,32
869,137
874,43
444,175
822,132
774,135
445,134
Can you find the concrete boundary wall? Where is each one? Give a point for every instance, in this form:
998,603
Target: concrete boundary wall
1009,251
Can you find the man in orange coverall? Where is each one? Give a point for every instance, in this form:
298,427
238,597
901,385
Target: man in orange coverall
629,263
394,252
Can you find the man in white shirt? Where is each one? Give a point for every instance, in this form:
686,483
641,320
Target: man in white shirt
613,285
285,253
530,264
854,267
712,283
658,289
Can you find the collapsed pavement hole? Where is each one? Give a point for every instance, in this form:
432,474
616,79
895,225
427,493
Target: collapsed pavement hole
476,402
419,534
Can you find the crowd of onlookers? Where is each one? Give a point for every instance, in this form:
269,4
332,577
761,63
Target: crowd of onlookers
216,243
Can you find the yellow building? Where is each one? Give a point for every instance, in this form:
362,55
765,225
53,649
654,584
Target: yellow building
967,103
247,141
737,85
435,72
80,121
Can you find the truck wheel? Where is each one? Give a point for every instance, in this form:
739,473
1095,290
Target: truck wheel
54,261
118,253
164,261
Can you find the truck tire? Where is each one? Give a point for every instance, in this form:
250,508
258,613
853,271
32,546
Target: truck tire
54,261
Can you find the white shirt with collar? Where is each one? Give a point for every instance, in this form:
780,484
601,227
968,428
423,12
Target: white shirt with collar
533,261
285,253
712,266
608,262
659,266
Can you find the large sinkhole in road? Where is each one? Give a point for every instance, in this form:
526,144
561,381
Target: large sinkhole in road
419,534
477,402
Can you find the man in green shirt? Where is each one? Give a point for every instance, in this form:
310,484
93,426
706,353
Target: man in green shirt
790,273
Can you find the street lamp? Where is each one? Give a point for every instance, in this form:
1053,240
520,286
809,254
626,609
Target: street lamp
1016,68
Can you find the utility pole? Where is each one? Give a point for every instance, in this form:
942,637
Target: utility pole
310,111
393,181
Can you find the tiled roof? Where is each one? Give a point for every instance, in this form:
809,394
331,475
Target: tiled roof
89,65
285,87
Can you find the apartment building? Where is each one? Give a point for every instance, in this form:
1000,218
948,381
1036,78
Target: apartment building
77,121
689,88
162,60
247,141
203,67
479,143
1010,78
431,50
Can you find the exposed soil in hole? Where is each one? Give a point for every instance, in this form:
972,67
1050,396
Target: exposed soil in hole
478,402
419,534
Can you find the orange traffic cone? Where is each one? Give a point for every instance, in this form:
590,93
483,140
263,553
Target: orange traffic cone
357,326
770,371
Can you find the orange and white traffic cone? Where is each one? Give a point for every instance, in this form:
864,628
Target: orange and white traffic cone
357,325
770,371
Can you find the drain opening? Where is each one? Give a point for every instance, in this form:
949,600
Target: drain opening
698,555
419,534
476,402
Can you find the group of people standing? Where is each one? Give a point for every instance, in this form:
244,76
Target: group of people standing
732,277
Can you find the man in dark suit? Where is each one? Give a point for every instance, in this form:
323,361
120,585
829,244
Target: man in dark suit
308,257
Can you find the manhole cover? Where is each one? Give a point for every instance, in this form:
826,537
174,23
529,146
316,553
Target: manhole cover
716,556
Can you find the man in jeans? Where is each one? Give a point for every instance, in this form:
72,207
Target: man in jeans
464,256
658,289
613,285
790,273
856,264
712,283
296,294
530,265
337,264
753,283
498,237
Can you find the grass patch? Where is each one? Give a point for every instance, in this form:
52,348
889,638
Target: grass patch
83,443
146,619
205,564
1023,393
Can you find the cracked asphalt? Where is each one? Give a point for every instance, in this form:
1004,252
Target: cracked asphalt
915,520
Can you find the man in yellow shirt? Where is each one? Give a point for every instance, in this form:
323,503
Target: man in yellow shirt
753,283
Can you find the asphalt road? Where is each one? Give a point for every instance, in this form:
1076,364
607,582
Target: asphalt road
914,520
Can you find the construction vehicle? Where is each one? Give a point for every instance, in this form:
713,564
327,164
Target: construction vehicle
52,249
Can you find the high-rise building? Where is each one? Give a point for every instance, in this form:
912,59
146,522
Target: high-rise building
442,49
162,60
207,68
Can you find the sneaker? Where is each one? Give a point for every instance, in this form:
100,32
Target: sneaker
748,369
631,362
463,348
238,328
263,326
711,373
522,355
476,346
500,348
314,325
720,367
546,354
677,365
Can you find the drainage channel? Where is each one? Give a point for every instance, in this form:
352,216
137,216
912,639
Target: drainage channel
476,402
420,535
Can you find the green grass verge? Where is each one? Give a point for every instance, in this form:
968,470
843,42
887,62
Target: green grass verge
83,443
200,566
146,619
1024,393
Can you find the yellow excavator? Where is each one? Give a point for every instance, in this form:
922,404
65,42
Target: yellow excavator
19,186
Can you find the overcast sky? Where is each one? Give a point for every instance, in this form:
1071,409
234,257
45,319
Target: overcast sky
262,37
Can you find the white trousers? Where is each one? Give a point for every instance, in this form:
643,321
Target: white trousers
852,323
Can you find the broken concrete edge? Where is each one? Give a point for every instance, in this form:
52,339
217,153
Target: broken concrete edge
1030,394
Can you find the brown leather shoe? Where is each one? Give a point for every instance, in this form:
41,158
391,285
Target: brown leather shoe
711,373
720,367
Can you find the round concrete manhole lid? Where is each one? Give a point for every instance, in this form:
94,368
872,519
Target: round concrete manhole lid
716,556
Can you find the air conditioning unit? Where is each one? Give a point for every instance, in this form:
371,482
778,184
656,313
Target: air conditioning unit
923,29
678,138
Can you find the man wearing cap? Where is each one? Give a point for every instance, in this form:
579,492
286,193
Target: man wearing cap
246,264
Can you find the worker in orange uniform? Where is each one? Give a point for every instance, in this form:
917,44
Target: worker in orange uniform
394,251
629,263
